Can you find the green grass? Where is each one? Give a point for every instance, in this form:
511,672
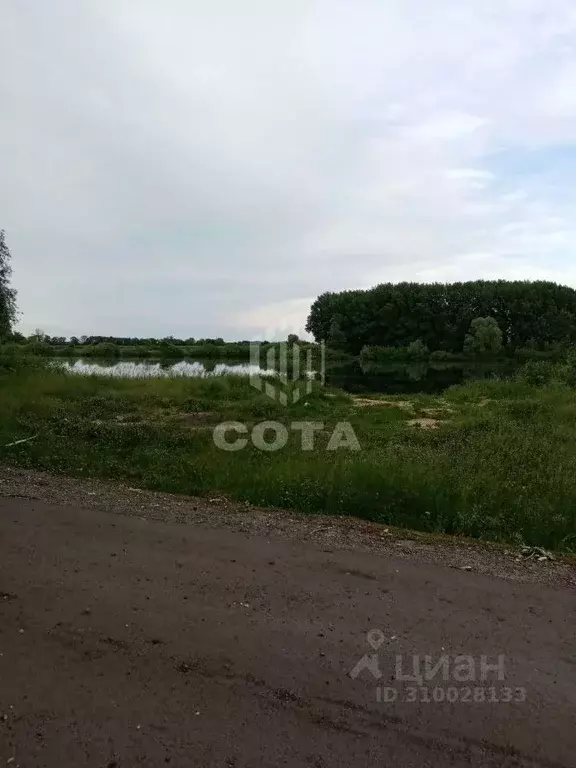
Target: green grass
501,465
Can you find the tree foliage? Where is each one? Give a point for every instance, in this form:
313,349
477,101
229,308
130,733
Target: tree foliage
417,350
7,294
336,338
440,315
485,337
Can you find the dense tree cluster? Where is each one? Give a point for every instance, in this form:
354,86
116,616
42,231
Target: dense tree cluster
7,294
109,347
121,341
40,343
531,315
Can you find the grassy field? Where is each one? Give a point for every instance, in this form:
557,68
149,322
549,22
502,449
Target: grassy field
493,460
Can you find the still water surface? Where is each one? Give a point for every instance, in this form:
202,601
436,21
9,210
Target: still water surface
390,379
147,370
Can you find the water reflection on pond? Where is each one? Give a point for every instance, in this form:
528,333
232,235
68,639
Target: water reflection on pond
418,377
148,370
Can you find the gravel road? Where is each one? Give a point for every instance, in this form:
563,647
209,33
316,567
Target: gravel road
139,629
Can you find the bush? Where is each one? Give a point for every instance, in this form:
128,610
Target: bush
39,348
526,353
417,350
67,351
383,354
15,358
171,352
538,373
441,355
566,373
103,349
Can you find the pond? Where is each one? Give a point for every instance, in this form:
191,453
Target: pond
144,369
419,377
387,379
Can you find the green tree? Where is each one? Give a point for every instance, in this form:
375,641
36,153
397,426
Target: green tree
293,338
171,352
336,338
7,294
105,350
417,350
391,315
39,348
484,338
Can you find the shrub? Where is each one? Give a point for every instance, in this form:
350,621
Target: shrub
417,350
171,352
382,354
104,349
440,355
15,358
537,373
39,348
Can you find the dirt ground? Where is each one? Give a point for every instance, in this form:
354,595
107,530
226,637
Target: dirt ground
140,629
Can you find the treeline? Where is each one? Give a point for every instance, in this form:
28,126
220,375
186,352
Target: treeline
120,341
113,347
110,347
449,318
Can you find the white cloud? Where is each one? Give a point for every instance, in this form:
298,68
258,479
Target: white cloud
276,321
447,127
472,178
207,169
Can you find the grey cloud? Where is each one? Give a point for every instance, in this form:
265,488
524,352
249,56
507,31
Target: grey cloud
169,168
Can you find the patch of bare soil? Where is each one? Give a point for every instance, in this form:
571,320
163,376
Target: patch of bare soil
425,423
437,413
198,419
365,402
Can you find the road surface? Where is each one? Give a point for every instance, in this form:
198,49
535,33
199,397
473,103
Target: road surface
129,641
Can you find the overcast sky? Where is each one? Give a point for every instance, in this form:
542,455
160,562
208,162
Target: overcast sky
208,168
